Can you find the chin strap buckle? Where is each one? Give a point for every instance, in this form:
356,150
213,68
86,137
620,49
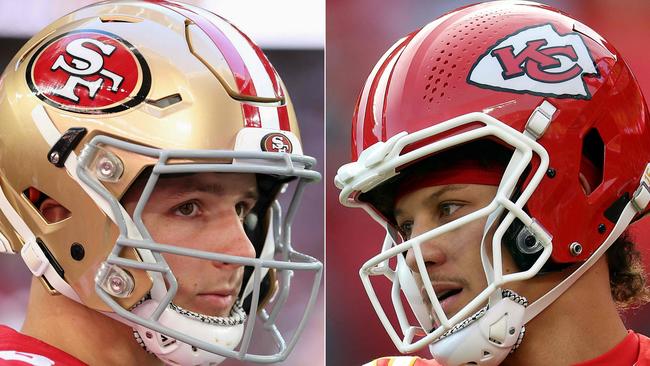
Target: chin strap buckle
34,258
5,246
540,119
641,196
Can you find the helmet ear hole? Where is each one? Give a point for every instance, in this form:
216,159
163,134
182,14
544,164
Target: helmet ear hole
591,164
522,249
50,210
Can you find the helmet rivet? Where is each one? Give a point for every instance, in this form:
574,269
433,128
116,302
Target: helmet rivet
149,335
511,331
602,228
77,251
116,283
106,168
54,157
115,280
575,249
550,173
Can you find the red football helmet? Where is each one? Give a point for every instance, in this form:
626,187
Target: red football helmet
548,89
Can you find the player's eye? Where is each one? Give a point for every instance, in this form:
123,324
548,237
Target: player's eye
405,229
242,208
187,209
447,209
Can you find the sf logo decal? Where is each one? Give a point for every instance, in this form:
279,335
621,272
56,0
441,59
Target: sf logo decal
537,61
86,61
276,142
89,71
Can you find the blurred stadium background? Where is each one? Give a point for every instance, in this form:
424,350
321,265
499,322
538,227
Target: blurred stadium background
291,33
358,32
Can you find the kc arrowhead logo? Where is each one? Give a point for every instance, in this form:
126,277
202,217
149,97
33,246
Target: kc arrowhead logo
536,61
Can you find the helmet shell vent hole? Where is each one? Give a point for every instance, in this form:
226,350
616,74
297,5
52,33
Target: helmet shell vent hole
119,19
591,163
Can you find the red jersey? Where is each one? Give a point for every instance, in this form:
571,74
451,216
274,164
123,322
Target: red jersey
17,349
402,361
634,350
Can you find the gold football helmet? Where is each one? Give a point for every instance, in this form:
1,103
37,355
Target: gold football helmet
122,89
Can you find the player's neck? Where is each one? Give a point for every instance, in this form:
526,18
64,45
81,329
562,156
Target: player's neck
571,331
85,334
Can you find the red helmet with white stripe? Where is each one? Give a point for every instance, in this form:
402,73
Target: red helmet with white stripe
546,88
127,89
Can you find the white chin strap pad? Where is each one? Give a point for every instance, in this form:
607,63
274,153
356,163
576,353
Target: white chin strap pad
268,252
174,352
487,341
412,293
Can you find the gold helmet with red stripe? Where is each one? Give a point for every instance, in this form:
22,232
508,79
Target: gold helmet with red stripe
120,90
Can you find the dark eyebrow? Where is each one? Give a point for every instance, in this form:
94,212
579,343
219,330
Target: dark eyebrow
435,196
212,188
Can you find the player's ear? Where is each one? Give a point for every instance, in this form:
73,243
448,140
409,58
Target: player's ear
53,211
586,187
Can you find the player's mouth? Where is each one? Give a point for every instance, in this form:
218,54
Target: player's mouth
216,303
448,299
448,295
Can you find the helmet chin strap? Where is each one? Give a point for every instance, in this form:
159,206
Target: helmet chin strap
636,205
492,333
225,331
495,331
485,338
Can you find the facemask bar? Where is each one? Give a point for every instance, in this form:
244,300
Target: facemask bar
379,163
282,164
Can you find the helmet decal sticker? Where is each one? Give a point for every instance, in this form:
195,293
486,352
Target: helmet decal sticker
89,71
536,61
276,142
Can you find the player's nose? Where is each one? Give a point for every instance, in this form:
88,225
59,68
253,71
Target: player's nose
432,249
230,238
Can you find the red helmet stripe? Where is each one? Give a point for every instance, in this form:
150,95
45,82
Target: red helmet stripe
366,121
270,71
283,116
250,68
266,75
252,115
263,76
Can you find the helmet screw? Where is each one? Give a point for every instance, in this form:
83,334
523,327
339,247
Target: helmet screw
54,157
511,331
530,241
77,251
117,284
550,173
575,249
106,168
602,228
149,335
115,280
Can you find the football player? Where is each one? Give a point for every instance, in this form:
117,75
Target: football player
144,146
504,148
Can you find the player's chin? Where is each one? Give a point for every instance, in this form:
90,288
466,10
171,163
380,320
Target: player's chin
210,304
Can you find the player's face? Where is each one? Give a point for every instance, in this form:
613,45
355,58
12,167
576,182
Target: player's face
452,259
202,211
